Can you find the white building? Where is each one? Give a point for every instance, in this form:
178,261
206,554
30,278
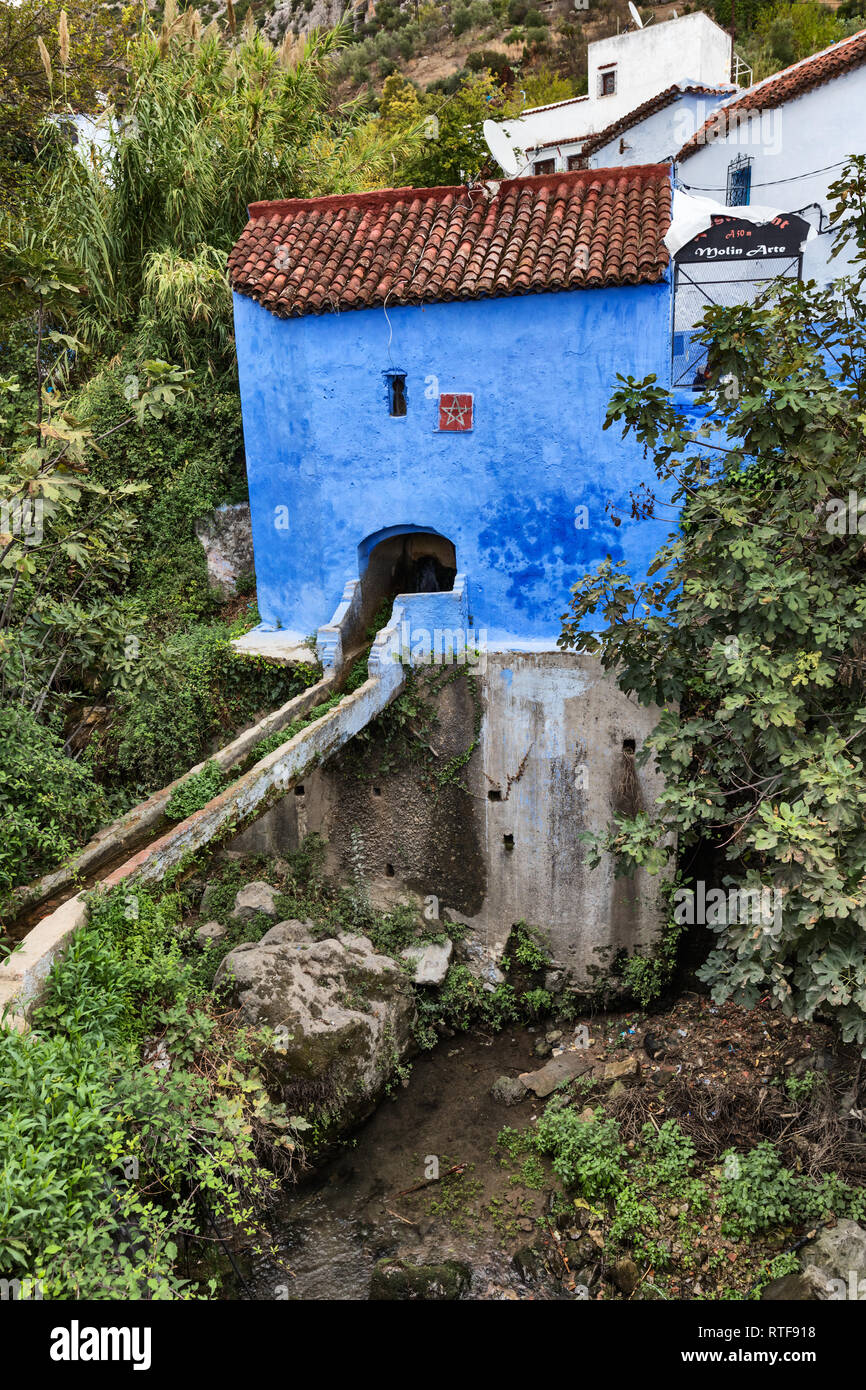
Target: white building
649,90
782,142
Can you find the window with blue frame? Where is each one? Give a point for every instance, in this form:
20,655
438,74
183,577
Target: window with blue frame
740,182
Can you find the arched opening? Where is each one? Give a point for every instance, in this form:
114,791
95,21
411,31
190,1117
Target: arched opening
405,560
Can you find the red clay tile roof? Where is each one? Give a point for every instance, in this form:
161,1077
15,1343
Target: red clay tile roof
590,143
421,245
649,108
784,86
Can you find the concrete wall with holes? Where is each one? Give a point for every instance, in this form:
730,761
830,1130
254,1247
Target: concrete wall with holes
329,468
790,147
501,842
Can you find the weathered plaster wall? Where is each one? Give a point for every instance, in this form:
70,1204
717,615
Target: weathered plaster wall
552,746
551,752
691,48
328,466
659,137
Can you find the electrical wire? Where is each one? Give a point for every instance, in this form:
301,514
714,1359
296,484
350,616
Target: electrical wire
768,183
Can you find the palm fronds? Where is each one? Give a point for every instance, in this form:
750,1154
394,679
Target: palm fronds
210,124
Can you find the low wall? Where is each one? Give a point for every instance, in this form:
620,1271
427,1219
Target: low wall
23,974
128,832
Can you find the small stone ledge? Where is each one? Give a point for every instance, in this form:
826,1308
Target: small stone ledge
23,974
128,830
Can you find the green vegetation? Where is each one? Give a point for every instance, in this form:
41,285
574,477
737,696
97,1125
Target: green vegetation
758,1193
749,634
112,1159
195,792
773,34
210,124
585,1155
656,1201
48,802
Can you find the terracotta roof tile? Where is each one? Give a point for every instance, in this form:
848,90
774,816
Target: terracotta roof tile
648,108
783,86
418,245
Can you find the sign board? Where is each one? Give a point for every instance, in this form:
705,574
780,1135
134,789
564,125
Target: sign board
733,239
455,411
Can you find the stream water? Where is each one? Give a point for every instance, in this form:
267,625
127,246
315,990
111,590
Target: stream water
331,1230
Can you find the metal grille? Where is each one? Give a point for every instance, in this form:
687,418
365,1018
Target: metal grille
696,286
739,182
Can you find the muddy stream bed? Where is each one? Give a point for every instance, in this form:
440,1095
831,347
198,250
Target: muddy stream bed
332,1229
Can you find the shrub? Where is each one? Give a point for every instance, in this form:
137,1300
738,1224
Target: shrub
195,792
48,802
192,462
106,1164
463,1001
205,692
585,1154
493,61
749,635
758,1192
480,14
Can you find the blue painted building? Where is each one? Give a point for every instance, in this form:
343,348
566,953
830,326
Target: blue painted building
424,377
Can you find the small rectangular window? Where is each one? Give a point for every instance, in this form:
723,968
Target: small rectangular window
607,83
396,393
544,166
740,182
576,161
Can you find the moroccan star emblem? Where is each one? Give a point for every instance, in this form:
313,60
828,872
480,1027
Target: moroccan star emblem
455,412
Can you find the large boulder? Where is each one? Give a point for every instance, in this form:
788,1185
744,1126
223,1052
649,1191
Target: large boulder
832,1267
227,536
342,1014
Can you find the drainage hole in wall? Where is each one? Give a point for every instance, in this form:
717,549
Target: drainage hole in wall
377,791
299,791
628,745
508,841
495,795
389,870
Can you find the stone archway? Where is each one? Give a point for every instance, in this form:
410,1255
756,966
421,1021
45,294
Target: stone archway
405,560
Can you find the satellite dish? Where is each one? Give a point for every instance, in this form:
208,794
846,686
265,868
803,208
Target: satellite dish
499,146
633,11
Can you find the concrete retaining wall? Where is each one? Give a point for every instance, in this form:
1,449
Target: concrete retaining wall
501,843
128,831
23,974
